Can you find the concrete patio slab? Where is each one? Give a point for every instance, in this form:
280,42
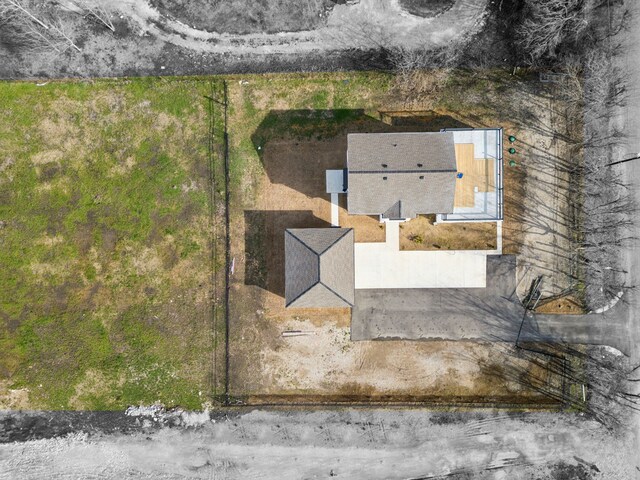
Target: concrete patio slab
385,266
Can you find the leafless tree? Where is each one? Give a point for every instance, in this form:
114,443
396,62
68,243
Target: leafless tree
26,29
592,380
603,207
549,30
17,5
419,73
16,32
96,10
549,23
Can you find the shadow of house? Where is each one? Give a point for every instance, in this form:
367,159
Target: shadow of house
296,147
264,244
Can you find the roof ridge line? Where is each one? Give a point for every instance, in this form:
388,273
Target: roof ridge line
334,242
302,242
335,293
318,282
356,172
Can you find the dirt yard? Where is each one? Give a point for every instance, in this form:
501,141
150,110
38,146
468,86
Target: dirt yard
420,233
285,131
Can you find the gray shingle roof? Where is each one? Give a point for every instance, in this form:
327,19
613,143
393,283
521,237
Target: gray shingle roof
401,174
319,267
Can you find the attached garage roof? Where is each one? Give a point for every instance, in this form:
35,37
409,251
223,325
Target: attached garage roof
319,267
400,175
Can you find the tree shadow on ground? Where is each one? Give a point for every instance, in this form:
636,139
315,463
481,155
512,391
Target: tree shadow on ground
296,147
264,244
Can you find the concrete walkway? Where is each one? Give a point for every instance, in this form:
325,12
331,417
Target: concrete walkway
335,211
335,186
384,265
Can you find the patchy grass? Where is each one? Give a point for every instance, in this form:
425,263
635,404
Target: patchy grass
106,243
110,239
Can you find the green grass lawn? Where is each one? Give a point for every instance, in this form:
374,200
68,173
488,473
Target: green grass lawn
107,244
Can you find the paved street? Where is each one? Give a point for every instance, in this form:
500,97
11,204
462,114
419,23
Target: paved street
630,122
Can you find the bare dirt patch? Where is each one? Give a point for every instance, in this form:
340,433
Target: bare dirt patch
241,17
366,228
13,398
420,233
327,362
567,305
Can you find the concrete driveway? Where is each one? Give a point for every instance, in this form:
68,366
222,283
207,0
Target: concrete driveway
490,313
383,265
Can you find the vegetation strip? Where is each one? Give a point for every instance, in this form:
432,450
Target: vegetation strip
227,195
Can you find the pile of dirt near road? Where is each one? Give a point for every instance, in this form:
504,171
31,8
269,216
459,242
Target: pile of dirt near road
241,17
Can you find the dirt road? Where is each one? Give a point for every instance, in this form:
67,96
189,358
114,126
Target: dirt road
367,24
147,41
349,444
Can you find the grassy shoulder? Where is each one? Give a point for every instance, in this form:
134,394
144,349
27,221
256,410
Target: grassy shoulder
105,245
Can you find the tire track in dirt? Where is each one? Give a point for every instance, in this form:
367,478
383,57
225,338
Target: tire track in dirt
366,25
347,444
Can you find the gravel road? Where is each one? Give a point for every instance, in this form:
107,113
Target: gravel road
350,444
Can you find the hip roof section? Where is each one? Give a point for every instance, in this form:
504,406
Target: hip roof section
319,267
